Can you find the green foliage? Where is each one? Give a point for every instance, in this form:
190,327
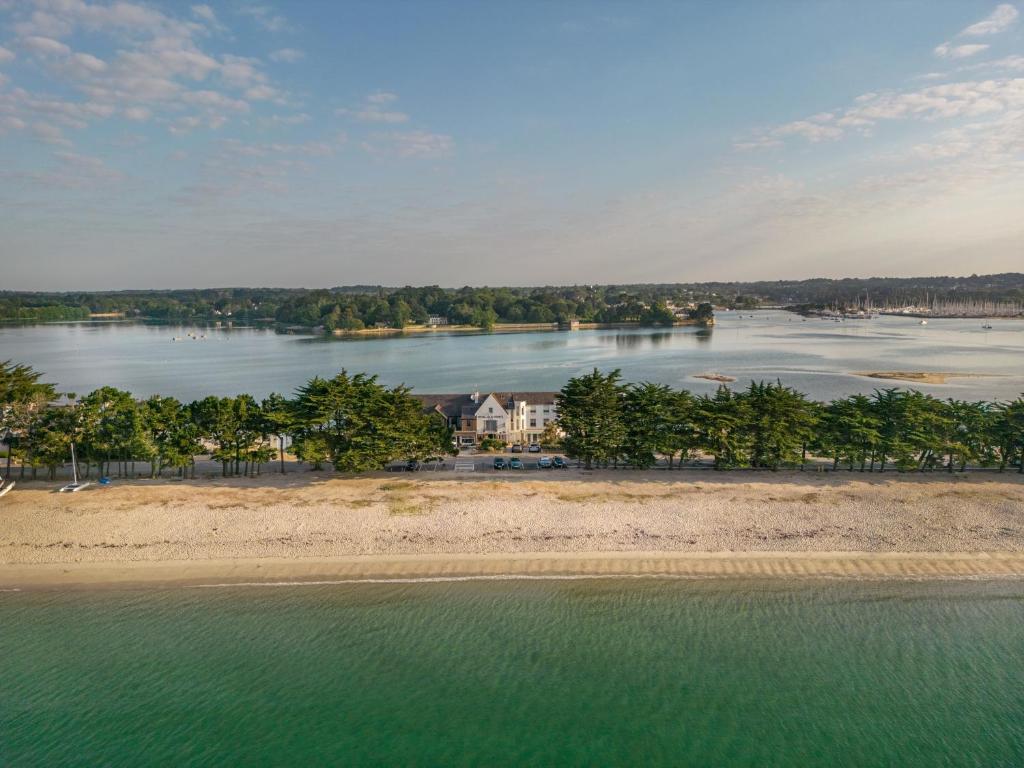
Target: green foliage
591,417
358,425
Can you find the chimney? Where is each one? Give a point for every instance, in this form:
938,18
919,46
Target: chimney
476,397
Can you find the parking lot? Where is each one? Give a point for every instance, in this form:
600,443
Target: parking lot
484,462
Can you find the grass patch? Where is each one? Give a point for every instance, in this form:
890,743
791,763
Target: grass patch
400,485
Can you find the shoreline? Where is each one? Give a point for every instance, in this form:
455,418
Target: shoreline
500,567
605,524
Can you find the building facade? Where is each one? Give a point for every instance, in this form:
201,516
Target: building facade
512,417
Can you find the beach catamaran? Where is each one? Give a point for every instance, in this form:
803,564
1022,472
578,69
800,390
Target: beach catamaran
74,485
5,487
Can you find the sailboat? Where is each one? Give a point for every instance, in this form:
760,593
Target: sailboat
74,485
5,487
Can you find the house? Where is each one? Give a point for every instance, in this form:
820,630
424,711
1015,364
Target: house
436,320
512,417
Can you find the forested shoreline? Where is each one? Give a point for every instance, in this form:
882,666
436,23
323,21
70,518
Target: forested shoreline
355,424
351,308
362,307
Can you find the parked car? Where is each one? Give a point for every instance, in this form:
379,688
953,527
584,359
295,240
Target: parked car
515,463
558,463
499,463
517,448
534,448
544,462
412,466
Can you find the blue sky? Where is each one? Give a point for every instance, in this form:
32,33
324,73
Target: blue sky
328,143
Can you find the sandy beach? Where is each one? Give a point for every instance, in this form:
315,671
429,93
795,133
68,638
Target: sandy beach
296,527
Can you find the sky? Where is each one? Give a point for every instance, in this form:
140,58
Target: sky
169,145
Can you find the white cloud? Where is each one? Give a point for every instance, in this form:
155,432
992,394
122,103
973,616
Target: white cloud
296,119
947,51
10,123
937,102
372,110
6,55
260,92
184,125
88,62
287,55
1002,17
156,64
138,114
49,134
411,144
45,46
205,13
265,16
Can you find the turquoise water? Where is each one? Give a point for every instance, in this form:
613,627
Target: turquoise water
638,672
817,356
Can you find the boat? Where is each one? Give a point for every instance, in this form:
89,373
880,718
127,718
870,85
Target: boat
6,487
74,486
923,322
987,327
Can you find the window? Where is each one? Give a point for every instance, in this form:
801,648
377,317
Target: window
491,425
490,410
533,422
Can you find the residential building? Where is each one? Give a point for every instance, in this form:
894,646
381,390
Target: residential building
512,417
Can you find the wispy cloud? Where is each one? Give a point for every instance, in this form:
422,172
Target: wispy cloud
265,16
950,51
374,110
1000,19
410,144
287,55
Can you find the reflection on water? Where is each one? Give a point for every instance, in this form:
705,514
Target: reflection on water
816,357
638,339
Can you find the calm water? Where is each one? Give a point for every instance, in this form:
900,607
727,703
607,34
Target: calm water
816,356
641,672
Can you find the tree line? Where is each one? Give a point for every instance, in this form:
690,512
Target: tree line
605,422
356,307
349,421
361,306
356,424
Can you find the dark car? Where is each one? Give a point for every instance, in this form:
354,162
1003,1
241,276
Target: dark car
558,463
516,463
544,462
534,448
499,463
412,466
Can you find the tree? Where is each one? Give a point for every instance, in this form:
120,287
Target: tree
720,420
279,416
703,313
591,418
657,313
780,424
1008,433
360,424
22,396
647,411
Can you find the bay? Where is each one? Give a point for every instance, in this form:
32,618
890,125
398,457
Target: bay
818,357
584,672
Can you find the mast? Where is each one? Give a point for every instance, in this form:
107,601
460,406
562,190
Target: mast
74,465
